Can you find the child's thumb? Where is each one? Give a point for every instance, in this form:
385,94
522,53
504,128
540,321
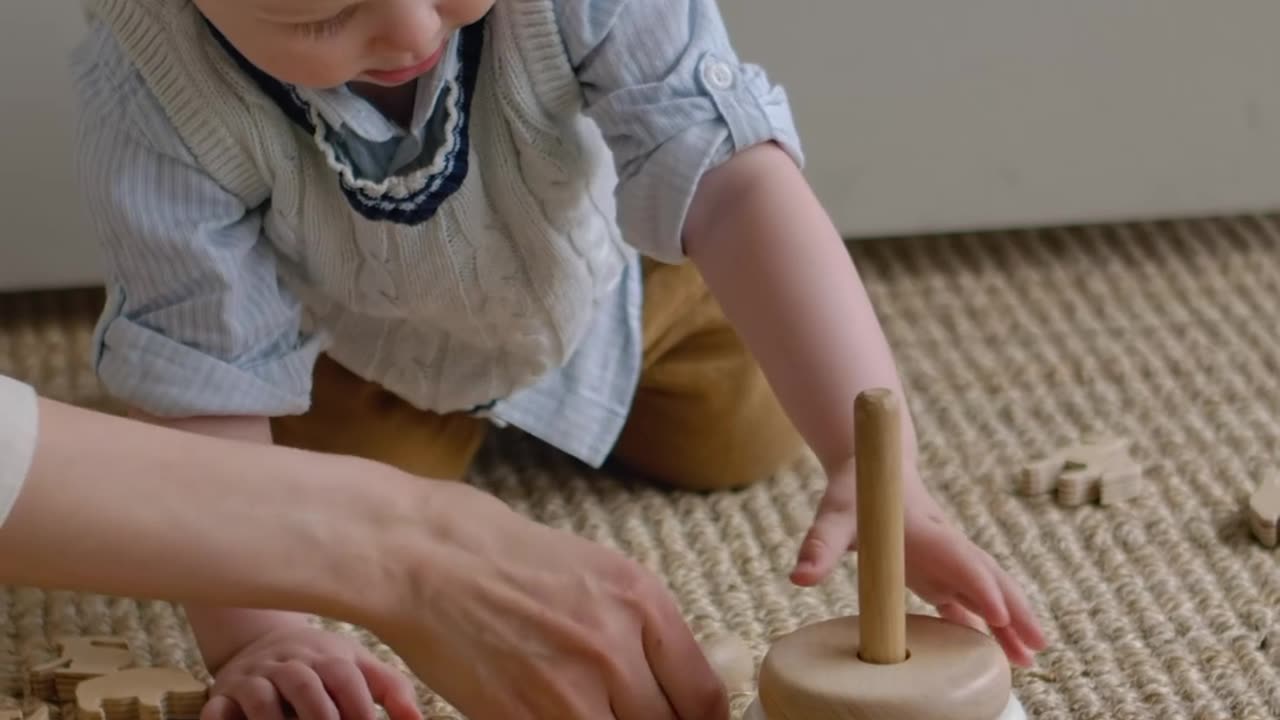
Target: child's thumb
832,534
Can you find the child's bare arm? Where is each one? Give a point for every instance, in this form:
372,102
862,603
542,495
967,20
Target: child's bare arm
780,270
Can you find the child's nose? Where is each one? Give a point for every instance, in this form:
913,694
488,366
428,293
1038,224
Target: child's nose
409,29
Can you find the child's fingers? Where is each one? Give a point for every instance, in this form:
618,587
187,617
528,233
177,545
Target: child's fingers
257,698
221,707
1022,619
1013,647
402,705
1006,637
832,533
978,588
958,614
348,688
300,686
390,688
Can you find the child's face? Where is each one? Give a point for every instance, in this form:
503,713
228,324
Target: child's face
326,43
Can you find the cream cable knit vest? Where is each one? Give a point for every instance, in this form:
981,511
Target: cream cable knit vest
494,290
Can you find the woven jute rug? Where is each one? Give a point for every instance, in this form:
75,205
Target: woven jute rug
1011,344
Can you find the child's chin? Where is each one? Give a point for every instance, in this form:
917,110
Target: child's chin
366,80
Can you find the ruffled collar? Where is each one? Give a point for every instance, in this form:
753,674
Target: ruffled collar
365,150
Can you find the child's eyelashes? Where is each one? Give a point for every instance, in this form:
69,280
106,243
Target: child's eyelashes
329,26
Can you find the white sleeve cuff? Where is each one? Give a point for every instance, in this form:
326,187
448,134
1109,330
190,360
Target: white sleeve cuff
19,423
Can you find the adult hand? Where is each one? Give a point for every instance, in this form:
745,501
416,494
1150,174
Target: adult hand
510,619
505,618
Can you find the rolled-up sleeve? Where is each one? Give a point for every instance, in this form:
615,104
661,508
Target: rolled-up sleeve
196,321
673,100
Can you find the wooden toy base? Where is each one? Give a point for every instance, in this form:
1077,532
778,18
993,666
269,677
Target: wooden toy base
952,672
1012,711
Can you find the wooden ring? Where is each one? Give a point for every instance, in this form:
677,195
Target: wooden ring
952,672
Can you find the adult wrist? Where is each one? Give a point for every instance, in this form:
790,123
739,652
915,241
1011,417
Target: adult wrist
435,537
399,530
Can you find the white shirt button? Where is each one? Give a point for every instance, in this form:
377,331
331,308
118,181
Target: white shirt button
718,75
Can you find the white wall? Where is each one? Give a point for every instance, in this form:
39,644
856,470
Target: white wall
38,200
994,113
935,115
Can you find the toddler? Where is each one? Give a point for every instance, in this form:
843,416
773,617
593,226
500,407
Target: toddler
379,227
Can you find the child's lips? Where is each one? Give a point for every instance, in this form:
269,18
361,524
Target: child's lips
405,74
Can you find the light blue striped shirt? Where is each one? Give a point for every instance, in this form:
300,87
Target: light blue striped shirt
198,322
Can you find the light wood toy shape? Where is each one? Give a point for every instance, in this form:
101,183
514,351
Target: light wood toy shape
80,658
1264,512
883,664
15,703
1100,470
145,693
12,680
98,678
14,709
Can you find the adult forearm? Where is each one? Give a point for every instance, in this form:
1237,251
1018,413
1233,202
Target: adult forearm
116,506
250,428
778,267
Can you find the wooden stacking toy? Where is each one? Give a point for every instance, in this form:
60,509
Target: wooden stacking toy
883,664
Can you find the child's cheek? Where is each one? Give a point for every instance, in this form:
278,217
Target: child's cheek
305,62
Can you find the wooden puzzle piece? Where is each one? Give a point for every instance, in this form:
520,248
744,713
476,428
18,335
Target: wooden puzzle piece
80,658
1099,469
1041,477
1121,481
12,682
10,708
1113,480
1264,512
146,693
13,709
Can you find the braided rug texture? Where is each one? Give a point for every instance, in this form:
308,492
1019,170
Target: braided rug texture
1011,345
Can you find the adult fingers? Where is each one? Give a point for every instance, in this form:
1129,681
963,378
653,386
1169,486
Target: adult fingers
635,694
678,665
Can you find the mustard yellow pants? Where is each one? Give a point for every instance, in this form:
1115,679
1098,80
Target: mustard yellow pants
703,417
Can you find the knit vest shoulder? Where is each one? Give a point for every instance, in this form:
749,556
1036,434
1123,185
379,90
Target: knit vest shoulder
494,289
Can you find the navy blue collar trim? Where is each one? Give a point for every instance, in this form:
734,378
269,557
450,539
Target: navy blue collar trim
422,203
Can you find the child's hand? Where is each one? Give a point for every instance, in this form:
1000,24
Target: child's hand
310,674
943,567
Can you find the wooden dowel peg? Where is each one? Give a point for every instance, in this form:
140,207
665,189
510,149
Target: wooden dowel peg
881,555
